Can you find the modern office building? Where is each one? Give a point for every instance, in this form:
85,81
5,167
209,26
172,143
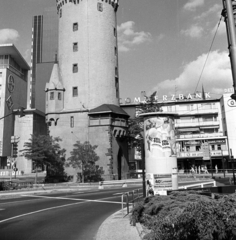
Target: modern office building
82,96
44,49
13,95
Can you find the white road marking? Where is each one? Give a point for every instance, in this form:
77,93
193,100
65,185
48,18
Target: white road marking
18,201
48,209
74,199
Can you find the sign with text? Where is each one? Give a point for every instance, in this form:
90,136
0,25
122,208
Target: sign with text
206,151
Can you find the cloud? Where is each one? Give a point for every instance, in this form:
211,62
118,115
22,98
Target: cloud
214,9
221,30
195,31
191,5
128,38
8,35
215,77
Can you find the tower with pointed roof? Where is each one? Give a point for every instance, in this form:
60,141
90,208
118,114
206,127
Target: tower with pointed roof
82,96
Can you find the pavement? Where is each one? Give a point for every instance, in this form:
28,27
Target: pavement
117,227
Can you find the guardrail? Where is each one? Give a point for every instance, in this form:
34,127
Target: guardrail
202,185
128,201
122,183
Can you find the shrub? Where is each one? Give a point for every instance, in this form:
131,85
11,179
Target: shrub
188,216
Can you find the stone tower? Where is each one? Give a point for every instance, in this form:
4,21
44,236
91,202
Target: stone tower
82,96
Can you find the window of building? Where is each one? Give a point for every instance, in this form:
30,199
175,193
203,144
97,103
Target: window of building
213,147
218,147
115,51
115,32
71,122
75,26
187,148
75,47
59,96
116,72
198,148
51,95
75,68
117,87
60,13
100,7
75,91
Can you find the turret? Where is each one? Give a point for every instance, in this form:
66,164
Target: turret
54,95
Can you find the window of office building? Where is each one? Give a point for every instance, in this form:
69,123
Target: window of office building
75,26
75,47
75,68
75,91
51,95
71,122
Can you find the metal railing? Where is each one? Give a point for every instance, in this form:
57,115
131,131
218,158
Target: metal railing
201,185
125,196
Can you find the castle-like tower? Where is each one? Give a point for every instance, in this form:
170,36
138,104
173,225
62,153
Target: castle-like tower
82,96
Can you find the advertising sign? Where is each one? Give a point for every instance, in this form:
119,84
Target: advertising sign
206,151
216,141
160,148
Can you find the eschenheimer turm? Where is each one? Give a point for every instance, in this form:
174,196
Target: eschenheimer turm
82,96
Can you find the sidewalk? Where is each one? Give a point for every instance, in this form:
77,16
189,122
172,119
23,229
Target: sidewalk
117,227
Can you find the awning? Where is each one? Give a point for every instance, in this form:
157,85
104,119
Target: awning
188,130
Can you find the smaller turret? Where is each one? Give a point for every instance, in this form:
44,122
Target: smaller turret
54,95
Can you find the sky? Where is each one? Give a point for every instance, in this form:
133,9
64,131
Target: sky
164,45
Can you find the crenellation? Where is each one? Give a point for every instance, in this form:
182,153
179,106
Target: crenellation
60,3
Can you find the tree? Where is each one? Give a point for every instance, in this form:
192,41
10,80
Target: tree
84,157
135,125
45,150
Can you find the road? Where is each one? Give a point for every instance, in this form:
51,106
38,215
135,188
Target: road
62,216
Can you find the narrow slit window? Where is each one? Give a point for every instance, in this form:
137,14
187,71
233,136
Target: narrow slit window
75,91
75,68
75,26
71,122
75,47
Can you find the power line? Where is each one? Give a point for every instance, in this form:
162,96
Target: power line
208,54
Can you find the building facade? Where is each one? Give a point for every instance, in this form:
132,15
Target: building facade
205,130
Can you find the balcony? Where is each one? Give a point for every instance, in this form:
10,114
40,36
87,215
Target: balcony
196,123
200,135
191,154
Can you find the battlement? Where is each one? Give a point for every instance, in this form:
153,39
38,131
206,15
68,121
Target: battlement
61,3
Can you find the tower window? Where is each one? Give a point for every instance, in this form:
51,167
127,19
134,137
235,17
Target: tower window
71,122
75,68
115,51
117,87
116,72
75,26
100,7
75,47
59,96
115,32
51,95
75,91
60,13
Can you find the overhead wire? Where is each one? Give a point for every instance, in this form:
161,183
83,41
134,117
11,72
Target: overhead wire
208,54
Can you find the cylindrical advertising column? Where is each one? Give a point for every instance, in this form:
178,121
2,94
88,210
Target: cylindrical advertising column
160,151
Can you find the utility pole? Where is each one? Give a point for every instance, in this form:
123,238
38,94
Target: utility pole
228,13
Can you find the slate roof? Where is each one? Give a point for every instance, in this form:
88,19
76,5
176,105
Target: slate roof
108,108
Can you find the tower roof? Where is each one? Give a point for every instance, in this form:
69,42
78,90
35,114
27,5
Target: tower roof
108,108
54,81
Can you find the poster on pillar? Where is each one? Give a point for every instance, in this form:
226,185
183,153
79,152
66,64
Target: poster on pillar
159,140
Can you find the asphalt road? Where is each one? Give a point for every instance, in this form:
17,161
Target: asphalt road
61,216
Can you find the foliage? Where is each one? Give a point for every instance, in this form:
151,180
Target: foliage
135,129
188,216
45,150
84,157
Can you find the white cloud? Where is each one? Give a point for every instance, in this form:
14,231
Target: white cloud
214,9
8,35
216,76
128,38
221,30
194,31
191,5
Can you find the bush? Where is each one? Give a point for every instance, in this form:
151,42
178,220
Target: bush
188,216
